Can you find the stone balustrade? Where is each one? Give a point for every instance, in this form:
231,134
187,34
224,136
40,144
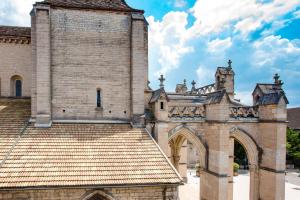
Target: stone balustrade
206,89
244,112
184,112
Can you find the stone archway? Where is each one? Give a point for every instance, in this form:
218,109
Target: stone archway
97,195
252,151
178,136
16,87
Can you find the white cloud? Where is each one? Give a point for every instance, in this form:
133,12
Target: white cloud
180,3
169,38
214,16
273,50
247,25
205,75
245,97
166,39
16,12
219,45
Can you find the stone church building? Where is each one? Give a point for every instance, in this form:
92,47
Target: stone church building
78,119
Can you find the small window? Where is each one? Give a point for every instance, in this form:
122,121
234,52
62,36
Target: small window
162,106
99,103
18,88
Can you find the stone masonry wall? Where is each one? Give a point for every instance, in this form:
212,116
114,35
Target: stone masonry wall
141,193
15,59
90,50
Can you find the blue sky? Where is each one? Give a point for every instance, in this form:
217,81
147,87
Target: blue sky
188,39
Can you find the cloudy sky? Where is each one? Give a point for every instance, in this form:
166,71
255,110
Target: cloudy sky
188,39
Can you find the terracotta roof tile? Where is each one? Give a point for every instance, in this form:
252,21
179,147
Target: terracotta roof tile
13,115
15,32
84,154
119,5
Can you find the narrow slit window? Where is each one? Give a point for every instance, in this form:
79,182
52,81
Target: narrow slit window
162,105
99,103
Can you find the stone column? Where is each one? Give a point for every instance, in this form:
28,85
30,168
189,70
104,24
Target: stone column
254,182
214,180
33,78
139,67
230,169
183,161
272,138
43,65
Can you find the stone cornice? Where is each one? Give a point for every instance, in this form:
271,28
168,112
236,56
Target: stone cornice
15,40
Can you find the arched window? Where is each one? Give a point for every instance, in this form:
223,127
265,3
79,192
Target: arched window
16,86
99,101
18,89
162,106
98,195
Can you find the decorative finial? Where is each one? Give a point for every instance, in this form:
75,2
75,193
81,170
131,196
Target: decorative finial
194,84
229,64
184,82
277,81
161,79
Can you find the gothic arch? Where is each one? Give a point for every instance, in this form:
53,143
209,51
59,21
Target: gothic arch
253,151
181,133
97,194
248,143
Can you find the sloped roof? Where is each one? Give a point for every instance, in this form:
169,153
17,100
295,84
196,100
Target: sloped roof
15,32
73,155
224,70
13,116
215,97
266,88
156,95
118,5
293,116
271,94
272,98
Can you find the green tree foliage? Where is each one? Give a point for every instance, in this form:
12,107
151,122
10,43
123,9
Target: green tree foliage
240,155
293,146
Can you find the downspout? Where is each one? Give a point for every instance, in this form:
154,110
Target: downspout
131,70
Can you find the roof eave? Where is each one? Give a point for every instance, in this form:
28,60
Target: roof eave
45,187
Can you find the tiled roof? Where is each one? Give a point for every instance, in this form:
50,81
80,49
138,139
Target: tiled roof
71,155
13,116
15,32
157,94
119,5
271,94
293,115
215,97
266,88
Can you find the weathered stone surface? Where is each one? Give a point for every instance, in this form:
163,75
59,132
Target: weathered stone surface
134,193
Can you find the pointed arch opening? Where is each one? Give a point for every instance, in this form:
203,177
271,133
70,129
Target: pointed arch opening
251,148
181,134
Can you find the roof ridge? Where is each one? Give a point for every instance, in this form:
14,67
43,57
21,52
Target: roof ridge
114,5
